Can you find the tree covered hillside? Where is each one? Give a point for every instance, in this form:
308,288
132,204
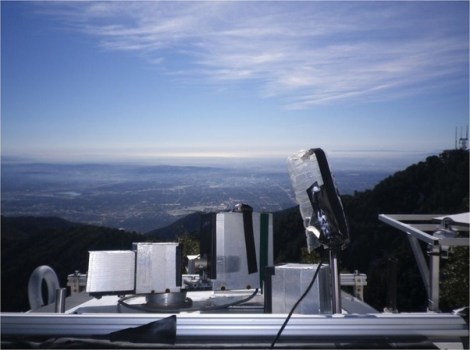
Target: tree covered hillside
438,185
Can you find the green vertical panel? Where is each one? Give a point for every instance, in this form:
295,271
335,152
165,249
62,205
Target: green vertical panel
264,243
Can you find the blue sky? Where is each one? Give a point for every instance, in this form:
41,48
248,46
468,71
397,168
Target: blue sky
116,80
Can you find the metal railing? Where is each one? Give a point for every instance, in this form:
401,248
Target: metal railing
423,227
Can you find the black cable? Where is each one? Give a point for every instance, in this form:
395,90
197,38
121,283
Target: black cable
296,304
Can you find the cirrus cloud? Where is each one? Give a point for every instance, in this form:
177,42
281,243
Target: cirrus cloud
304,53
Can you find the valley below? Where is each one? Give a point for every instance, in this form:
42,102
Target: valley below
142,198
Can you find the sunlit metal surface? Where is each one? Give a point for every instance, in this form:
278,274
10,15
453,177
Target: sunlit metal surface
246,329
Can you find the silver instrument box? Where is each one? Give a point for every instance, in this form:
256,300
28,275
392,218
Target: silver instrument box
291,280
158,267
111,271
234,254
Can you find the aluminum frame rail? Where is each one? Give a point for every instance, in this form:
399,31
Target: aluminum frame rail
415,226
239,329
356,280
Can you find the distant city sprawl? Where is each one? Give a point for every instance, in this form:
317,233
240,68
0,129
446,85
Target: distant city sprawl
143,198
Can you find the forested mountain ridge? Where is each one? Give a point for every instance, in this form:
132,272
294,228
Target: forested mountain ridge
438,185
189,224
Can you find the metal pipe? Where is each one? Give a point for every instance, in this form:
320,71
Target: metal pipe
335,283
434,262
392,284
60,295
408,229
421,261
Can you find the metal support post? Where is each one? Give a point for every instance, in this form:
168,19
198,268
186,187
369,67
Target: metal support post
434,262
392,285
335,283
268,289
421,261
60,295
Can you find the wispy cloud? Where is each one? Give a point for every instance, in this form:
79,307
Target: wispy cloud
305,53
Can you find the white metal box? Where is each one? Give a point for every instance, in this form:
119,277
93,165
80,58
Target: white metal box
111,271
240,265
290,281
158,267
